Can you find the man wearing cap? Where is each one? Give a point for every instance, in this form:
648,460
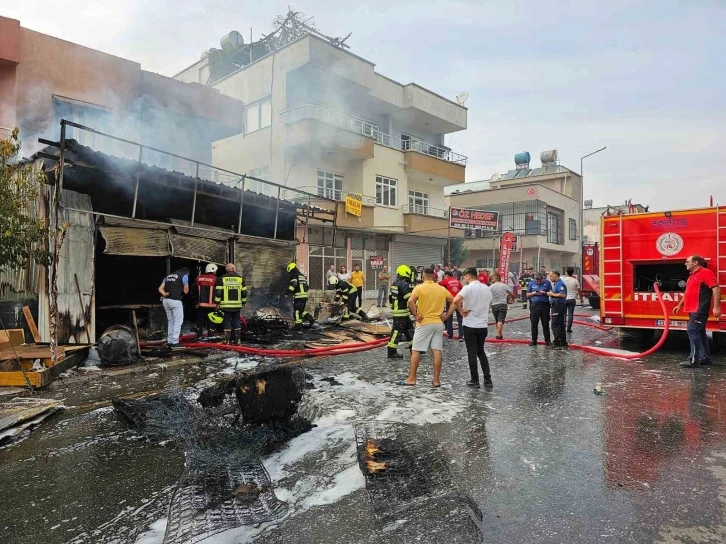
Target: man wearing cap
558,296
539,307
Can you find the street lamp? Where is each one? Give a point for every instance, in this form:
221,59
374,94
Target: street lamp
582,197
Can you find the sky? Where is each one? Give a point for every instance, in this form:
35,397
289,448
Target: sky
645,78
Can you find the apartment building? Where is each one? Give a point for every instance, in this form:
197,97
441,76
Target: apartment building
321,119
44,79
591,217
539,205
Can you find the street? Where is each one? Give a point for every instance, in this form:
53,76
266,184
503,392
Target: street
541,457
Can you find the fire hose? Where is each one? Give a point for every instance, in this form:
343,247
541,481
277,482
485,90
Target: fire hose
365,346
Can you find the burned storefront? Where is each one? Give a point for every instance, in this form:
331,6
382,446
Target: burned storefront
126,223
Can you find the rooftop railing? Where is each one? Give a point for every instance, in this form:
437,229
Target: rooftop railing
366,128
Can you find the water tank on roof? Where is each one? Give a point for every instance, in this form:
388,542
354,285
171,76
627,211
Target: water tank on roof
522,158
548,156
231,41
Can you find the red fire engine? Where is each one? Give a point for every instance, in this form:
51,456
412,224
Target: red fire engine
640,249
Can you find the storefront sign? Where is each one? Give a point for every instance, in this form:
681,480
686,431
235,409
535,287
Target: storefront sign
354,204
466,218
376,261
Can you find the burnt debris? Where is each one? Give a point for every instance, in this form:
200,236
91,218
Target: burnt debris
224,484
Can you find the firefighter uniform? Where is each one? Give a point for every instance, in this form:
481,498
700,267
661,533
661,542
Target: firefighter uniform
299,290
346,293
398,298
205,296
230,294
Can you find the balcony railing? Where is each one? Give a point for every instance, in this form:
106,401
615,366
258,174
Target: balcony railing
365,128
425,210
333,194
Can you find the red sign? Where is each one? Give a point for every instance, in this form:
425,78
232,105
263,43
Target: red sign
505,254
376,261
466,218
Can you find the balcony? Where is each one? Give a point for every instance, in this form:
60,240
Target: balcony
427,221
365,221
433,163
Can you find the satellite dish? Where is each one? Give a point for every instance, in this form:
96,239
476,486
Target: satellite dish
462,97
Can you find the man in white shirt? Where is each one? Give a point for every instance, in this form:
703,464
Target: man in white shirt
474,301
573,290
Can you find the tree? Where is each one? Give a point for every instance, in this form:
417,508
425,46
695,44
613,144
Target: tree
458,252
22,236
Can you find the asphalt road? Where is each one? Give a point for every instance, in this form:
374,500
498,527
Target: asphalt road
540,458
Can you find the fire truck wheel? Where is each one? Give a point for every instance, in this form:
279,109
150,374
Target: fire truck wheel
719,341
594,302
643,337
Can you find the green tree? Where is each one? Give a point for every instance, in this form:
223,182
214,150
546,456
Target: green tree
458,252
22,236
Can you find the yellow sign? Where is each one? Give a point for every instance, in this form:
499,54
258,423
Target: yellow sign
354,204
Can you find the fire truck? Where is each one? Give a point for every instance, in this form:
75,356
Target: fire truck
590,281
638,250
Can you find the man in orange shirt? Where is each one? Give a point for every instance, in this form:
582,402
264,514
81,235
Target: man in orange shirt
430,316
357,280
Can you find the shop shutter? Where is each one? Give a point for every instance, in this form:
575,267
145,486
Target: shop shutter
415,254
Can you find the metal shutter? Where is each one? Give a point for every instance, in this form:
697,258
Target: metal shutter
415,254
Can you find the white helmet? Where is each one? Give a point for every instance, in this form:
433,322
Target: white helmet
333,280
211,269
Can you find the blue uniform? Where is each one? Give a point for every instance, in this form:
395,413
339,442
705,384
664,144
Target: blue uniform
535,286
539,309
559,309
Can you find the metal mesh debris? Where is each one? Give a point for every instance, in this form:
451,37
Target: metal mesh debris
224,484
407,478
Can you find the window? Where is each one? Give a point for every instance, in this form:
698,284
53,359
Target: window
418,202
330,185
386,191
573,229
489,263
257,186
554,228
258,115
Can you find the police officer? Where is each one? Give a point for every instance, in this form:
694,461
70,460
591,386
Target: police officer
539,307
205,296
558,296
398,298
230,294
174,286
299,290
346,293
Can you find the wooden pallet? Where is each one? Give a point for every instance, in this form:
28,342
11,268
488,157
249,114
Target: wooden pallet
12,376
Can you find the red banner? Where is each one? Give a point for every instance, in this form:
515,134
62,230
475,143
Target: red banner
505,253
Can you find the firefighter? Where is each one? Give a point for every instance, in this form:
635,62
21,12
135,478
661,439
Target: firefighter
299,290
205,296
346,293
398,298
230,294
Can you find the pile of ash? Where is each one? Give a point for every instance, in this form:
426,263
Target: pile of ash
224,484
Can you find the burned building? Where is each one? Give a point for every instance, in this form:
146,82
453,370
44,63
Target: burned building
128,223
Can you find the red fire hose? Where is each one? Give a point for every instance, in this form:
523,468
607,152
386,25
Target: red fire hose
364,346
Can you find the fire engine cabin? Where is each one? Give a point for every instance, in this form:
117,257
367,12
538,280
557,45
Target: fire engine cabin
640,249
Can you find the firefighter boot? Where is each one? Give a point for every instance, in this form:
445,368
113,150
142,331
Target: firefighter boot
363,315
310,319
393,354
234,337
226,336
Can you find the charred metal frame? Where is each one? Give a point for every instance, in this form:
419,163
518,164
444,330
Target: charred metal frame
328,215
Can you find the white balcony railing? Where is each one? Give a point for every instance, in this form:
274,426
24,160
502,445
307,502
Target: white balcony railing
420,209
365,128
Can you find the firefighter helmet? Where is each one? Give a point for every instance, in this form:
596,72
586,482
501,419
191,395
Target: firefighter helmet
211,269
291,267
404,271
333,280
216,316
